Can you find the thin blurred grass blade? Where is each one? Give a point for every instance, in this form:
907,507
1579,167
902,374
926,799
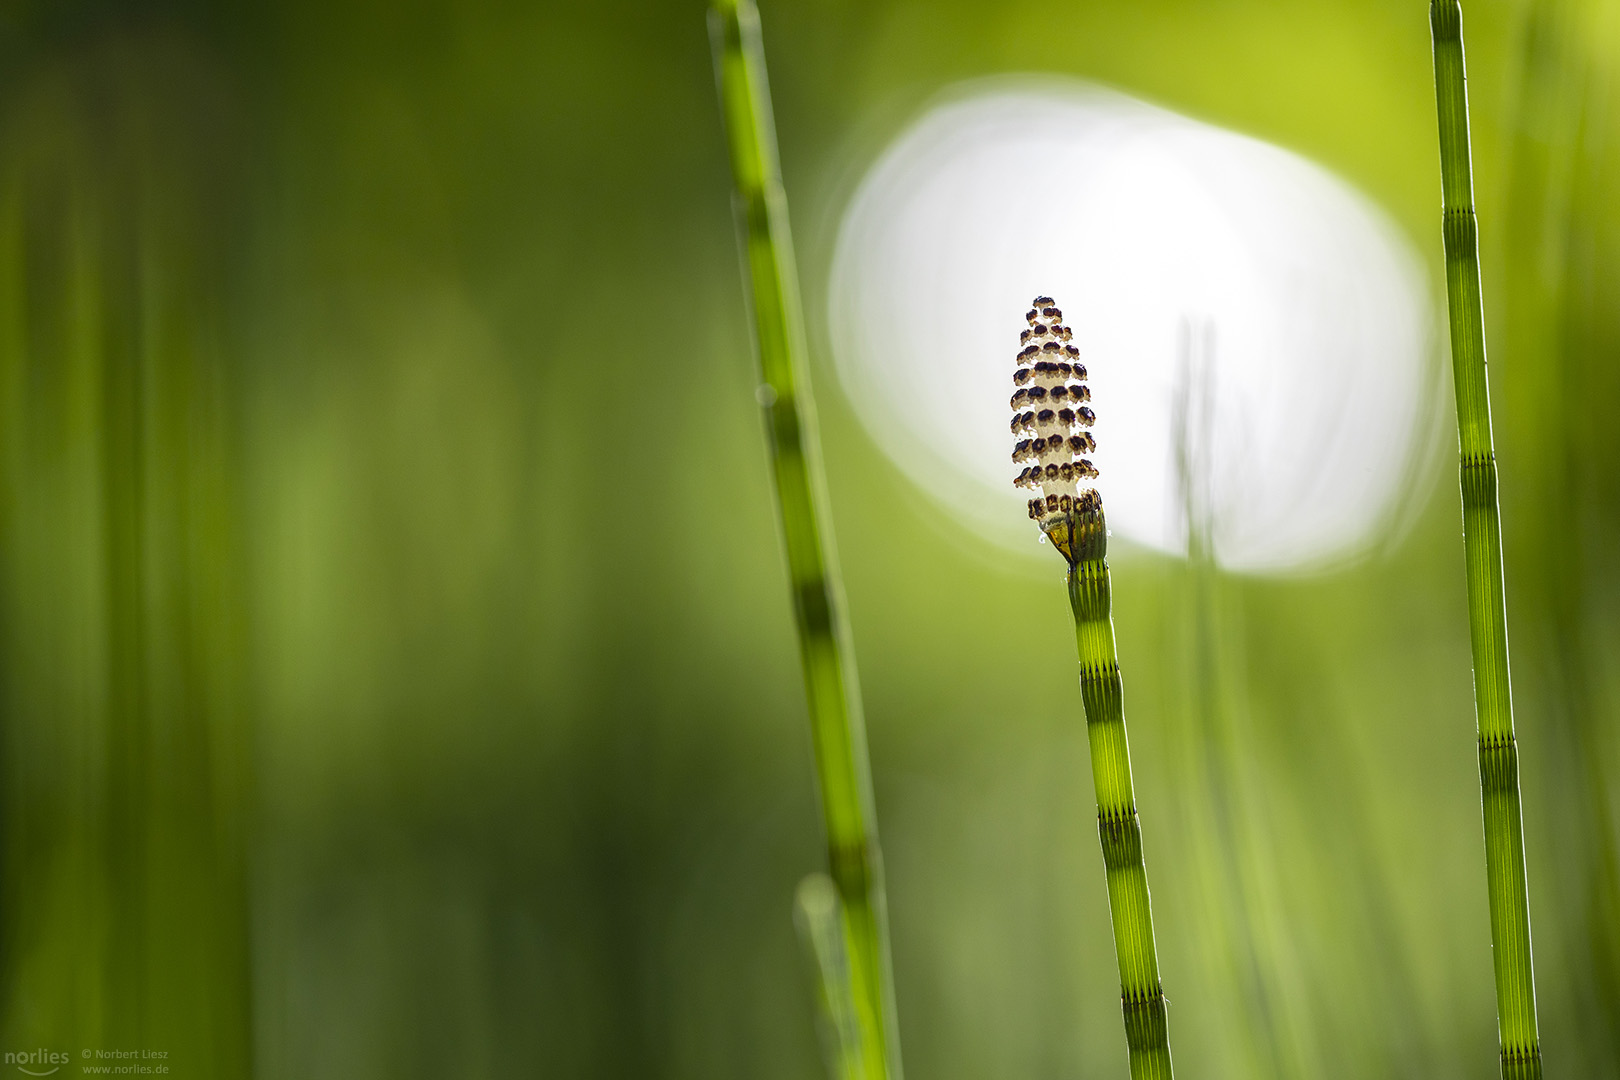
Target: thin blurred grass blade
818,917
1482,542
837,728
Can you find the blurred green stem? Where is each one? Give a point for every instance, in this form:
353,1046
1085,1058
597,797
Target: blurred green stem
835,715
1142,995
818,917
1482,541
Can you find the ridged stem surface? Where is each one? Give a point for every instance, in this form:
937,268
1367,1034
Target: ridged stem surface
835,716
1142,996
1482,543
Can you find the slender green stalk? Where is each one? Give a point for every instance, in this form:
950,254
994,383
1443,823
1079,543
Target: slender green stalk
1482,542
818,916
1091,597
836,724
1051,427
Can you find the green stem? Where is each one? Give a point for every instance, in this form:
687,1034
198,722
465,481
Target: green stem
1090,594
1482,542
837,728
818,916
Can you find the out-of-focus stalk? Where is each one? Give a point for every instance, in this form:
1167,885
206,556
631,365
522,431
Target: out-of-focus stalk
836,723
1559,247
1482,542
818,917
127,814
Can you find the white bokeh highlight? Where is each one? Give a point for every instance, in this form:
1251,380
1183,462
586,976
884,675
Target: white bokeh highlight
1308,312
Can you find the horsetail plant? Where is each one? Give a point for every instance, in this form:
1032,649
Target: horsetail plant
1482,544
1050,424
837,729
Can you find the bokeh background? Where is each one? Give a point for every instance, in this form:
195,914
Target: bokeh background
396,665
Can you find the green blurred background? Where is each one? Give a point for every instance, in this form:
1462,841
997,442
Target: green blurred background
396,666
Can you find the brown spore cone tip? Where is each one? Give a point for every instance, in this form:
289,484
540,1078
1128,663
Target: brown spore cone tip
1051,425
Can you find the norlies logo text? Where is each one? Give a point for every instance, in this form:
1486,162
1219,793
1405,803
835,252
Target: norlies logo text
37,1062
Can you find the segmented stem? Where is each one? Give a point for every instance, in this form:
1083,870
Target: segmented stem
1482,542
837,728
1142,995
